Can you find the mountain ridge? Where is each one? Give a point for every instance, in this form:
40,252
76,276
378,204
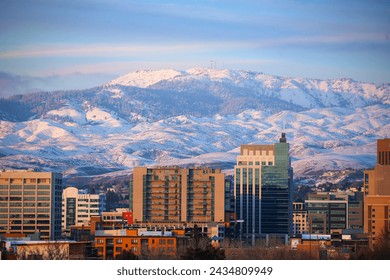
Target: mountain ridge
198,116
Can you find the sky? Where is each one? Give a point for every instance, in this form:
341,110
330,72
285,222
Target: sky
50,44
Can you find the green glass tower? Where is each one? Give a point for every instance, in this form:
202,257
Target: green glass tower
263,191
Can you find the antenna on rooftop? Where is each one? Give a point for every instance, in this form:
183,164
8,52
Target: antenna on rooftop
283,134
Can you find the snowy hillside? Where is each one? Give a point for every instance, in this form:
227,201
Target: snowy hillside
199,116
308,93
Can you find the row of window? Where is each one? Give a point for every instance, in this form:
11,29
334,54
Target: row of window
135,241
31,180
263,163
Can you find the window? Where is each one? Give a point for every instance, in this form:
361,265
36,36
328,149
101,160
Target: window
134,241
118,241
100,241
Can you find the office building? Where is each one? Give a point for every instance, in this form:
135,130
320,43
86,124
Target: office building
174,195
334,211
78,207
377,194
327,212
377,217
30,203
377,180
263,190
300,224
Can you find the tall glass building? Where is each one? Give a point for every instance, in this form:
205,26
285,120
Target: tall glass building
263,188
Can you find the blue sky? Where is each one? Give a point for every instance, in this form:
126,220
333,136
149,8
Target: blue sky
50,44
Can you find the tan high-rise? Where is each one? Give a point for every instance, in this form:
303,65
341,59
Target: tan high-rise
177,195
377,180
30,203
377,194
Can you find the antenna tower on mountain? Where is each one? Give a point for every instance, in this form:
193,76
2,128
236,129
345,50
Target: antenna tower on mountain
213,64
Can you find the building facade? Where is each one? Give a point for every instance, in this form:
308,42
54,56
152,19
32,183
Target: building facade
174,195
327,214
263,190
334,211
377,217
377,194
77,207
142,243
30,203
300,224
377,180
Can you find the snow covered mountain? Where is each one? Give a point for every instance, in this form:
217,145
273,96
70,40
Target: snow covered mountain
199,116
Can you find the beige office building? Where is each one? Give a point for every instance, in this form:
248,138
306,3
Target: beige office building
377,194
30,203
174,195
300,221
377,180
376,216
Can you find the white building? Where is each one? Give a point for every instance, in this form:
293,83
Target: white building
77,208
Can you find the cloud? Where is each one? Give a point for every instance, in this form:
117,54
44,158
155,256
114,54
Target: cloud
136,50
11,84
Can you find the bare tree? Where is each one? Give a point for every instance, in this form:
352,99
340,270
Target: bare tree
46,251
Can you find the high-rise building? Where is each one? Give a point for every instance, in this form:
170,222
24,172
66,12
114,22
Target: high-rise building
174,195
78,207
263,190
30,203
377,194
377,180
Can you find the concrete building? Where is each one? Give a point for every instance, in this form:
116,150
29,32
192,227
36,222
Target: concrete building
334,211
300,221
377,194
377,180
174,195
263,190
77,208
327,212
356,210
376,217
30,203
